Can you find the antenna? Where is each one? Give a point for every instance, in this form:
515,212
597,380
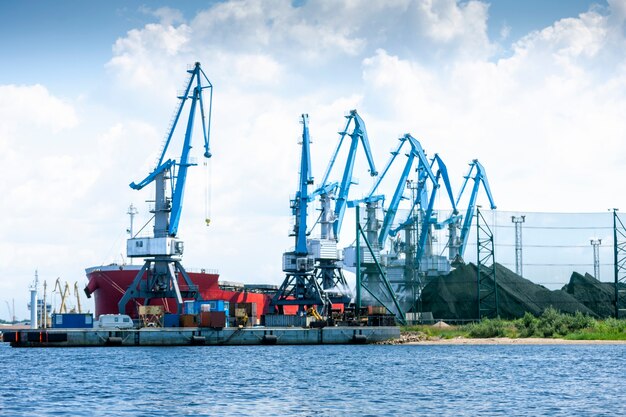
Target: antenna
132,211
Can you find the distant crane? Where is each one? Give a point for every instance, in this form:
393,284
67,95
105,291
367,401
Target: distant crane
377,235
428,218
457,243
158,278
11,311
64,292
78,308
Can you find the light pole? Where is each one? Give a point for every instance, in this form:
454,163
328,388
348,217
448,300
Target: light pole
518,242
596,257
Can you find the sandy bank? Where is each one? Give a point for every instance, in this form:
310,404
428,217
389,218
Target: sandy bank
507,341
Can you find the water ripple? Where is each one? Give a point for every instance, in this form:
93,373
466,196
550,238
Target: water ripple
314,381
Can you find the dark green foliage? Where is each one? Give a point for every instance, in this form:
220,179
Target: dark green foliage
487,328
527,325
551,323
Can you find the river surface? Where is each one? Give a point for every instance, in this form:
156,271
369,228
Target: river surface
581,380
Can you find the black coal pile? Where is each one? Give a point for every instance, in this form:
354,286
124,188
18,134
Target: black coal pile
597,296
454,296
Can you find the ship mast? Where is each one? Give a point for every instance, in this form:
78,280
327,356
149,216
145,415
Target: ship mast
132,211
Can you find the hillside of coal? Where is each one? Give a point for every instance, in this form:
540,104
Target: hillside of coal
595,295
454,296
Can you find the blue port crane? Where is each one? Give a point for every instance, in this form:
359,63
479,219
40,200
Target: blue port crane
300,287
373,279
162,252
181,166
328,269
458,244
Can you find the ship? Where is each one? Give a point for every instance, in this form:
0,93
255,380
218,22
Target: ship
107,284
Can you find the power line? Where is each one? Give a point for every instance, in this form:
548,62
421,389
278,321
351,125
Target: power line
557,227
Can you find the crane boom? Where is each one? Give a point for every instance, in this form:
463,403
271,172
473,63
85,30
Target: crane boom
358,134
424,170
77,295
182,165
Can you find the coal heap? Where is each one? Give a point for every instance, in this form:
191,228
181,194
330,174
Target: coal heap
597,296
454,296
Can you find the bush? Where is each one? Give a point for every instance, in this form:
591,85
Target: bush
487,328
527,325
611,326
553,323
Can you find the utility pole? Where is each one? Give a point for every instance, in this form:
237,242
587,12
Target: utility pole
596,257
518,242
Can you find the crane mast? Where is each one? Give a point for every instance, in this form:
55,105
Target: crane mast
158,278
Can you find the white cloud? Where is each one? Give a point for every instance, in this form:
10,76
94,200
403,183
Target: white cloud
548,108
447,21
33,104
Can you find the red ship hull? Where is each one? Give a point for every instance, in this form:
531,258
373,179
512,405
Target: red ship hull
108,284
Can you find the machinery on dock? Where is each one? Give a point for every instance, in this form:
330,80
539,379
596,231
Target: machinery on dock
158,278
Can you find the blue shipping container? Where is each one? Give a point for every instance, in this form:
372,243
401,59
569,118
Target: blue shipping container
189,307
72,321
171,320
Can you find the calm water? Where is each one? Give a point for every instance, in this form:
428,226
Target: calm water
315,381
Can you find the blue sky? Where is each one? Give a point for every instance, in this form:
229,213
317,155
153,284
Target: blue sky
64,44
534,89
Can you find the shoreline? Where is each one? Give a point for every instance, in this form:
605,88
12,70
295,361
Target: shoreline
508,341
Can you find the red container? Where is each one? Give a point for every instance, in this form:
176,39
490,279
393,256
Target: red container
188,320
214,319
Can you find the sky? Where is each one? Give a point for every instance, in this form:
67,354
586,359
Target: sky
536,90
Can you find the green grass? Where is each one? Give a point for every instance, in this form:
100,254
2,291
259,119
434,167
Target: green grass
594,335
436,332
551,324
